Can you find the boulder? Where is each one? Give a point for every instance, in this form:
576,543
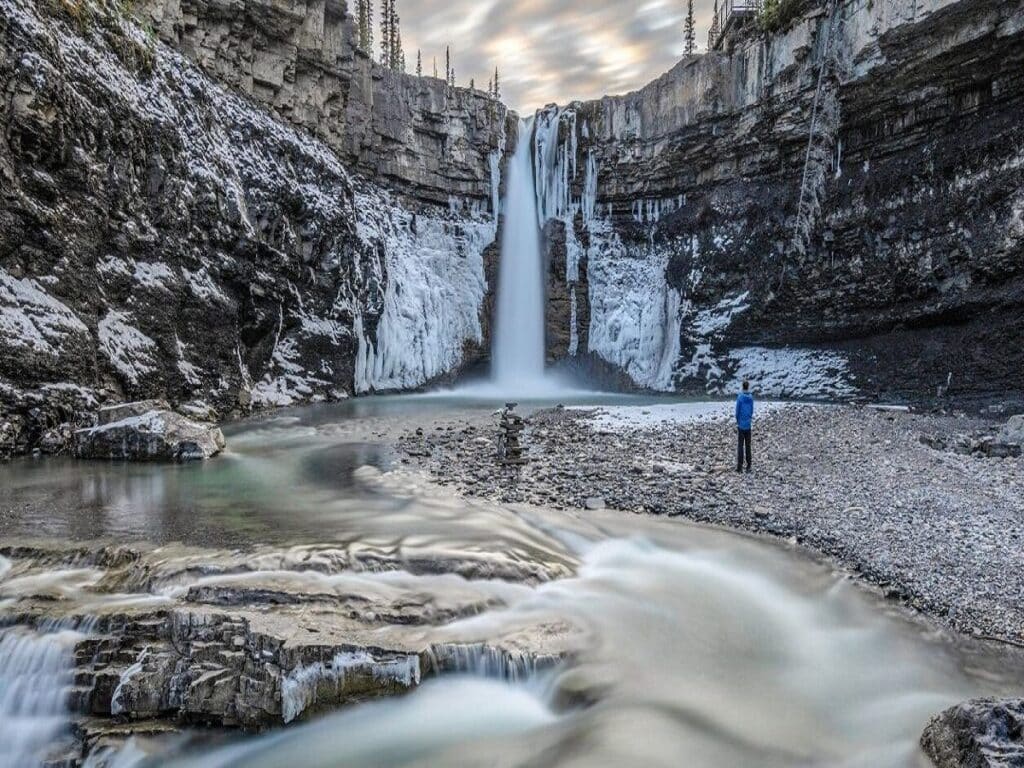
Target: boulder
982,733
1012,432
140,432
114,413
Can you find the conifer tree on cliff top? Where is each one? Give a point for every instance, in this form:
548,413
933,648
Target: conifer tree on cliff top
364,24
391,54
689,30
385,32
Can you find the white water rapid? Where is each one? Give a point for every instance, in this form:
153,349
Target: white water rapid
36,671
518,347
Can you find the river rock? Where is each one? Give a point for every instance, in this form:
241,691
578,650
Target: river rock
141,432
982,733
1012,432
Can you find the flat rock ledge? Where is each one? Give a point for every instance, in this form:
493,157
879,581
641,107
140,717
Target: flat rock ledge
982,733
147,430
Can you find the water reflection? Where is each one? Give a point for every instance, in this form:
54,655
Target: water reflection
290,476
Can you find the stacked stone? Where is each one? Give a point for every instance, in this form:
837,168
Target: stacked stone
512,426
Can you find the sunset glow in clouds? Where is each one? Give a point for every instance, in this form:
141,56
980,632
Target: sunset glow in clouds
551,50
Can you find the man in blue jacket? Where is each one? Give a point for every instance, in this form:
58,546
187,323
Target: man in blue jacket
744,422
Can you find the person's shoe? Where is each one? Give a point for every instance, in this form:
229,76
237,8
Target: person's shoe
739,469
748,470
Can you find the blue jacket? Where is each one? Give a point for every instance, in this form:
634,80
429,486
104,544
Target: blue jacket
744,410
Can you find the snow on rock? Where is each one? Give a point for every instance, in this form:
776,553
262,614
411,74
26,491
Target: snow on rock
793,372
718,318
129,350
156,275
155,434
30,318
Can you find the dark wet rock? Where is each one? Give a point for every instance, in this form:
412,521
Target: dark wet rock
230,241
895,270
142,432
982,733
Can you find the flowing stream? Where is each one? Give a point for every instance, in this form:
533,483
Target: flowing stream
686,640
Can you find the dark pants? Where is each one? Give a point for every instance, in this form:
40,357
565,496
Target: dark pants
743,444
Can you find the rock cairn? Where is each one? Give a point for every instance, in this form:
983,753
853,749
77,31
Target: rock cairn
510,448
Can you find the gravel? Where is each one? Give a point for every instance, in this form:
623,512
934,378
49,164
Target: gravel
938,531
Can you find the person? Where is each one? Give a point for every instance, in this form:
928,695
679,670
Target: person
744,423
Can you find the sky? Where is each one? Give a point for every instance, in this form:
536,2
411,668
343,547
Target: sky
551,50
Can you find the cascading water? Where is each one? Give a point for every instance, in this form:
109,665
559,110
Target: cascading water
518,348
36,671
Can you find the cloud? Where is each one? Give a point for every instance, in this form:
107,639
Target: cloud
550,50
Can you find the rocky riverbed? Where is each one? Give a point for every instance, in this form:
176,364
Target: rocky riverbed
936,530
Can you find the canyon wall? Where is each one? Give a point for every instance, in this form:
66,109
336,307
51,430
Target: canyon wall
229,206
699,231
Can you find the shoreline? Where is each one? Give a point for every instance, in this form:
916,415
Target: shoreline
938,533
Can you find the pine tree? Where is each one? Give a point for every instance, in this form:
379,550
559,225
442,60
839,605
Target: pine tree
451,79
419,63
448,64
385,34
435,67
497,84
364,12
490,87
397,54
689,30
472,83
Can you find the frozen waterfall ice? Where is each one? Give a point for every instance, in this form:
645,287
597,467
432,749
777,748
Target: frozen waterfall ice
518,346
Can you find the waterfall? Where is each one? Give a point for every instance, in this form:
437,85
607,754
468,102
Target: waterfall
518,348
36,673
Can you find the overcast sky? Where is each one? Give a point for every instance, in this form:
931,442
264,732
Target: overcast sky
551,50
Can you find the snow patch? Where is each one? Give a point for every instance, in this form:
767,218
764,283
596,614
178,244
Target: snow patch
635,418
715,320
793,373
129,350
153,275
30,318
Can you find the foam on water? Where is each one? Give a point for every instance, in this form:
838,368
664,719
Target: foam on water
440,714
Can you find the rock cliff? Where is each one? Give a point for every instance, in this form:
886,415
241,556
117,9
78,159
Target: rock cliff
836,209
266,218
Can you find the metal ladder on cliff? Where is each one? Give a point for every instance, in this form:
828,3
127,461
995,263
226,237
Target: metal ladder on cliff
818,143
